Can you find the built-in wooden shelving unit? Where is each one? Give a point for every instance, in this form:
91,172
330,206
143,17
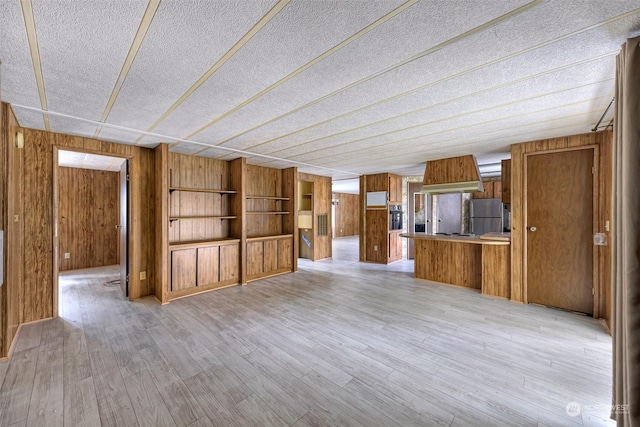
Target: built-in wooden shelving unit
206,241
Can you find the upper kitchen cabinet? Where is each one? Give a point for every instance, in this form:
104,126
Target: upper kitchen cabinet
492,190
395,189
506,181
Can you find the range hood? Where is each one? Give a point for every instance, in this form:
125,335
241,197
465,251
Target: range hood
452,175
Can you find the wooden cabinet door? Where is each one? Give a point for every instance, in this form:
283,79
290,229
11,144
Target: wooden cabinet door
254,258
270,255
285,253
559,215
229,262
183,269
208,266
497,190
395,189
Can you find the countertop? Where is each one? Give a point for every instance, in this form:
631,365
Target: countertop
486,239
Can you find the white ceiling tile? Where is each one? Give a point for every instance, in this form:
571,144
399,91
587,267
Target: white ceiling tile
83,46
185,39
298,34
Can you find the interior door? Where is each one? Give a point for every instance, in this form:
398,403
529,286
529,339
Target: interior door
448,213
124,228
559,218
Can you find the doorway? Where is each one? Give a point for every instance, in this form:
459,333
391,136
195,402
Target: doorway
91,217
559,218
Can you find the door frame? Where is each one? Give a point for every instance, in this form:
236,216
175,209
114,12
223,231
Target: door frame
597,283
55,196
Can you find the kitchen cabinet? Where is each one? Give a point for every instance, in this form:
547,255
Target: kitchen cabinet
492,190
506,181
378,243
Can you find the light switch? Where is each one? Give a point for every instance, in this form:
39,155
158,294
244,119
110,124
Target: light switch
67,255
143,275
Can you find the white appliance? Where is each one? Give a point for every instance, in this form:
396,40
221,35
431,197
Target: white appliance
486,216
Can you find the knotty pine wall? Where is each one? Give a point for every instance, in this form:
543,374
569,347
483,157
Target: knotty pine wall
30,195
347,214
321,205
87,218
604,141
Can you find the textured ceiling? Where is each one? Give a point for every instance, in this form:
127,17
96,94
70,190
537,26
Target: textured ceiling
336,88
74,159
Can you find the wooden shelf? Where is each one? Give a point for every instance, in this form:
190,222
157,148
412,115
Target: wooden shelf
200,243
268,198
270,237
201,190
267,213
176,218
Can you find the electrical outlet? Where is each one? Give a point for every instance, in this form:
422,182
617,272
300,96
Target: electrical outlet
16,218
143,275
375,247
67,255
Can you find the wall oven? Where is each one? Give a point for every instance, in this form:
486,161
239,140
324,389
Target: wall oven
395,217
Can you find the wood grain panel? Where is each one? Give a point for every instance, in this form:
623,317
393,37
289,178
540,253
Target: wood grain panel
559,203
453,169
454,263
255,255
229,262
270,252
496,270
88,215
285,253
601,139
38,250
208,265
183,269
347,214
377,233
11,293
161,170
506,181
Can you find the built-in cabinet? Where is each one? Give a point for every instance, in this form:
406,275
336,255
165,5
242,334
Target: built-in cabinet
492,190
314,216
378,242
222,223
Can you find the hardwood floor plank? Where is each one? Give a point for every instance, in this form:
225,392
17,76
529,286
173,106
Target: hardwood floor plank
46,406
15,394
147,403
339,343
80,404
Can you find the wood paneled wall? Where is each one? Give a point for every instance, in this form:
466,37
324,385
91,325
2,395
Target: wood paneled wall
87,218
32,190
604,165
12,161
347,214
321,206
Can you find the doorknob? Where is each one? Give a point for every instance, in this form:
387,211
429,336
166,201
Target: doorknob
118,226
439,220
533,228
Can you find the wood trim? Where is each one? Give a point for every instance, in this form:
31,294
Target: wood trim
56,229
161,160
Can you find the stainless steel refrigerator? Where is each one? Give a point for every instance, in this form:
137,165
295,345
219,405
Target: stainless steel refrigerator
486,216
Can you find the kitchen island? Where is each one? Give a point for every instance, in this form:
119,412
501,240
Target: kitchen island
482,263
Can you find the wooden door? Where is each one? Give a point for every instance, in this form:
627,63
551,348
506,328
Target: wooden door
124,228
559,219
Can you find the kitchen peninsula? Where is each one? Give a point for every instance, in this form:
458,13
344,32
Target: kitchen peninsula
482,263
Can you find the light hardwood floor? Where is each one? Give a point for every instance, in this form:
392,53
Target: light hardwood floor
338,343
